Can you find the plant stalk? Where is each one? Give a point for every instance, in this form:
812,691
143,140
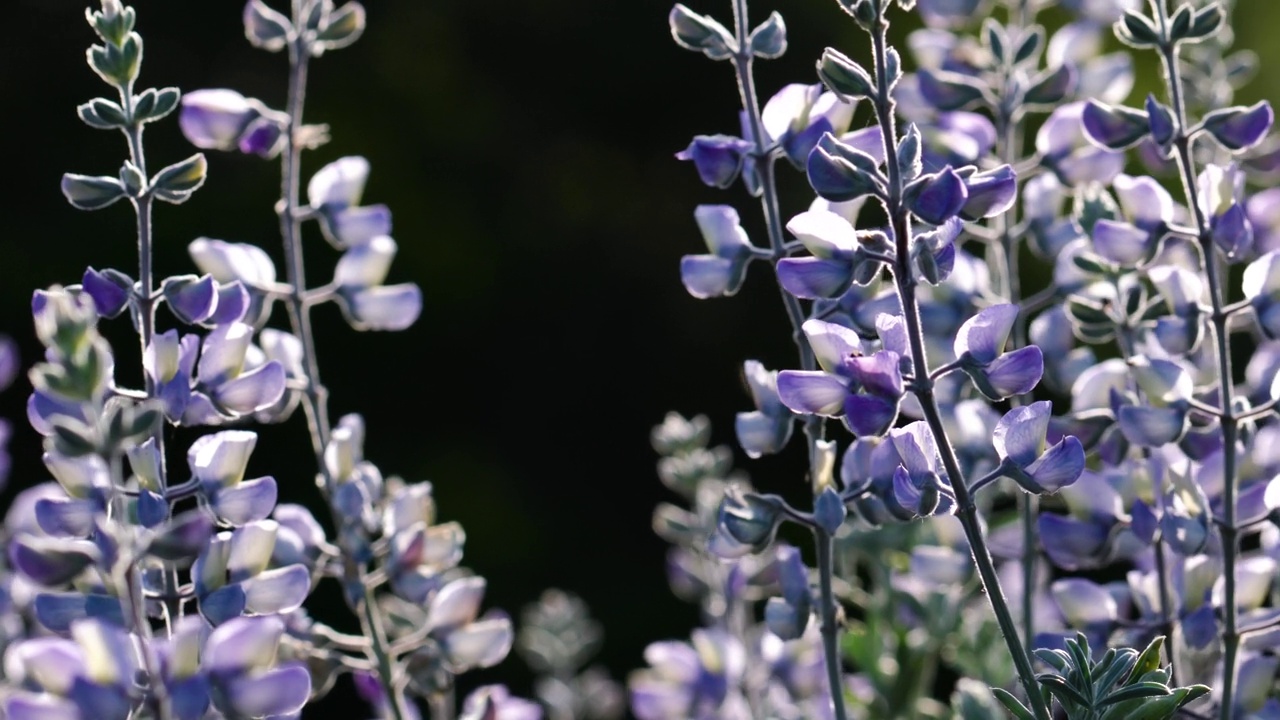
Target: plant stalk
905,281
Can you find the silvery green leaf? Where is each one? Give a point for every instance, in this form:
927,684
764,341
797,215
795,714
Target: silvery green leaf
89,192
909,152
692,31
266,28
131,179
769,39
1030,45
175,183
72,438
101,113
1012,704
344,26
843,76
1136,30
317,13
152,104
1205,24
1180,23
113,23
117,64
996,39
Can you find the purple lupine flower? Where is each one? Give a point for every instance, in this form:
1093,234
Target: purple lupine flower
420,550
170,362
1147,209
1067,151
86,482
767,429
1084,606
979,347
1108,77
797,666
990,193
334,192
956,138
109,289
1220,195
1182,290
218,462
1021,438
718,158
366,302
226,383
948,13
936,197
1162,417
698,681
233,575
87,677
1094,533
862,390
239,662
222,119
467,639
797,116
1240,128
246,267
834,245
495,702
721,272
920,485
1263,211
1261,284
788,616
845,169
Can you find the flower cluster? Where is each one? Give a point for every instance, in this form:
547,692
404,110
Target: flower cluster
134,588
903,283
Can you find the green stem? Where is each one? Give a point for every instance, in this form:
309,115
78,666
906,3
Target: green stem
1219,320
905,281
814,427
314,394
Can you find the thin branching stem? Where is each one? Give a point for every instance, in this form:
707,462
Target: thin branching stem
314,396
905,281
1219,319
813,425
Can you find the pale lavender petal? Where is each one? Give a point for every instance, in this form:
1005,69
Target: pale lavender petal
824,233
1017,372
984,335
255,390
1151,427
244,503
386,307
228,262
278,591
1084,603
221,457
214,119
812,392
481,644
242,644
457,604
365,265
810,278
339,184
706,276
1020,434
281,691
1121,242
223,354
358,225
1144,201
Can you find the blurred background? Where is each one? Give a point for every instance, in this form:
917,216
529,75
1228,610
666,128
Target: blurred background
526,151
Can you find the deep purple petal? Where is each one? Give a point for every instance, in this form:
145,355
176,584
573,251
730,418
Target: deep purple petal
192,300
870,415
938,197
879,374
1113,127
1232,231
109,290
1017,372
1060,466
1240,128
233,303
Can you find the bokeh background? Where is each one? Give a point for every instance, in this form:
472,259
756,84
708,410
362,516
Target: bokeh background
526,150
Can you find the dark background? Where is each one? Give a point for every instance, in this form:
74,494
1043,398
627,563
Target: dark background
525,149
